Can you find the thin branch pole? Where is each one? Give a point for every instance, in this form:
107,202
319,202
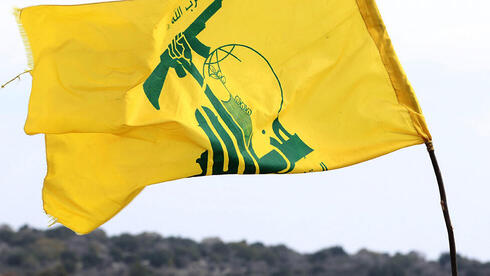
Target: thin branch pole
445,210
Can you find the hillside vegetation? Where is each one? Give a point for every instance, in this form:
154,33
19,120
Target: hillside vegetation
59,251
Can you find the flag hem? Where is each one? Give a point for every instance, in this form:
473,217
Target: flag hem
25,39
59,215
403,90
73,222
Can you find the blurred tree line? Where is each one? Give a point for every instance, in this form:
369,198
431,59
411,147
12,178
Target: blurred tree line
59,251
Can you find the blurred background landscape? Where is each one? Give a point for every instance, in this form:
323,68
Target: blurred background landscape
59,251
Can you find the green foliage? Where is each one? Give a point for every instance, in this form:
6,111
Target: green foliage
6,234
55,271
69,260
59,251
25,236
60,233
388,269
91,258
16,259
136,269
46,249
220,249
445,259
125,242
160,257
323,255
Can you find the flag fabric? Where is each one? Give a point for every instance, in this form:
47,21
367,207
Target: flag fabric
133,93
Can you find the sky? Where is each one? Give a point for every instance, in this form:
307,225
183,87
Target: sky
389,204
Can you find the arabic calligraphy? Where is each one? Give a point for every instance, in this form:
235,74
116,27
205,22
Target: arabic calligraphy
179,12
192,4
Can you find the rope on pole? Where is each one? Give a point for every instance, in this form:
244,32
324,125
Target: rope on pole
17,77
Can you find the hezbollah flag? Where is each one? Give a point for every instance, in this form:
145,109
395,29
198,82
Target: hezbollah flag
133,93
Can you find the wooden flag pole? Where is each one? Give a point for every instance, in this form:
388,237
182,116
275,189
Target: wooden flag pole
445,210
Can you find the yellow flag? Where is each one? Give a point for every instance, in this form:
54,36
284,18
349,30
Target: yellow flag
133,93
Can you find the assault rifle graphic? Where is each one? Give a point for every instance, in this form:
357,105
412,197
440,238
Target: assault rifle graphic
172,59
235,126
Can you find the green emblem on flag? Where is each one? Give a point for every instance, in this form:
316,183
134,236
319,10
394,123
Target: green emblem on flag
229,123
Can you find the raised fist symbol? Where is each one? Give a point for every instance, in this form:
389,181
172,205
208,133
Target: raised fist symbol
180,53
